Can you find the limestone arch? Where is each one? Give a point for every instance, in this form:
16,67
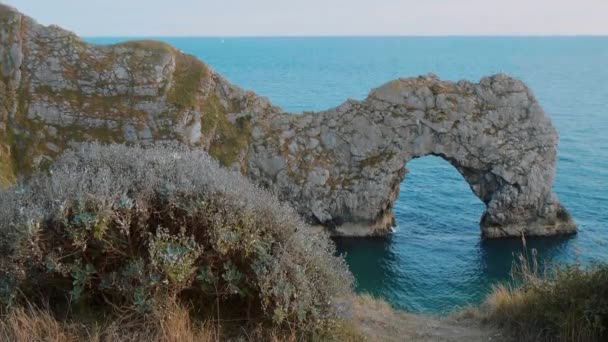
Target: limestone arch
342,168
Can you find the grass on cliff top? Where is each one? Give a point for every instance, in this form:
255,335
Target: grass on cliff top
562,304
230,139
117,234
147,44
187,80
188,75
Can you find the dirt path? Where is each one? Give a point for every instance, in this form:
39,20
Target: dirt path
379,322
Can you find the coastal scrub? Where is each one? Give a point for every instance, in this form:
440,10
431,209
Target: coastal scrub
125,230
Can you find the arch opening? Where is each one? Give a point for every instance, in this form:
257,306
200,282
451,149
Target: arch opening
435,261
435,193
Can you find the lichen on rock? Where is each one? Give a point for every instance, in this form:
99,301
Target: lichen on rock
341,168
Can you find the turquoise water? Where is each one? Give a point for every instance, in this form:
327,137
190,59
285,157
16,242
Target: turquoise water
436,261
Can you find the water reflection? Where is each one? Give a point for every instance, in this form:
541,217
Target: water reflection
445,276
496,256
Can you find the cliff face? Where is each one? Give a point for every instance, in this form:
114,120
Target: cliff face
58,89
340,168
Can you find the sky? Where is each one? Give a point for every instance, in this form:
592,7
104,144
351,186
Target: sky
320,17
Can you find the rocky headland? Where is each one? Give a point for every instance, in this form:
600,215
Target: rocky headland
340,168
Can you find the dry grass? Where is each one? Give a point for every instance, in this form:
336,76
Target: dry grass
31,326
567,304
175,325
171,324
503,300
368,301
372,320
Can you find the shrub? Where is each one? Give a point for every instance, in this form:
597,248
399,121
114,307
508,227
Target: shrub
129,227
567,303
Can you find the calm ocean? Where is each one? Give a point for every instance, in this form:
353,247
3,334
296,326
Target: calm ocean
436,261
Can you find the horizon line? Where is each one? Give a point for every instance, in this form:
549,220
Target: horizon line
573,35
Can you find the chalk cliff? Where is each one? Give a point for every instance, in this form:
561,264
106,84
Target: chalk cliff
341,168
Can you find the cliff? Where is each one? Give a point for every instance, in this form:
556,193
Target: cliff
340,168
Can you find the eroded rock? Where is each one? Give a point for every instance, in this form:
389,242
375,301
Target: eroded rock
340,168
493,132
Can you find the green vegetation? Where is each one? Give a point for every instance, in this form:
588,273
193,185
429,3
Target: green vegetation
116,233
146,44
187,79
107,105
568,303
230,139
213,112
7,174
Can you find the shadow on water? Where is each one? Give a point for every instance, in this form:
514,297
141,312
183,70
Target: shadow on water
422,282
372,257
496,256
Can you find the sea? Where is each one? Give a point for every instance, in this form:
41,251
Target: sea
435,262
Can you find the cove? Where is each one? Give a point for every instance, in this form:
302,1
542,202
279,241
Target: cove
315,73
436,261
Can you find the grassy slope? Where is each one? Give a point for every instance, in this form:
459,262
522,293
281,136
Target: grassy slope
372,320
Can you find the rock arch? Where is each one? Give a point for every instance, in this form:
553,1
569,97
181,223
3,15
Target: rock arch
342,168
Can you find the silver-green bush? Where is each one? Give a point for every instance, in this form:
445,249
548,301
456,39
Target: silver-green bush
126,226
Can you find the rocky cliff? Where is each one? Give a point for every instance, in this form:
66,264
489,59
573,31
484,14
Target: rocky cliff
340,168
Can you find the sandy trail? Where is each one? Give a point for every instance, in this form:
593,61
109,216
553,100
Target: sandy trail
379,322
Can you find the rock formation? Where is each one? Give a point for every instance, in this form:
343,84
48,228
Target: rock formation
340,168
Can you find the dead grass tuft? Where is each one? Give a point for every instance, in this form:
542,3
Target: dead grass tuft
22,325
567,303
